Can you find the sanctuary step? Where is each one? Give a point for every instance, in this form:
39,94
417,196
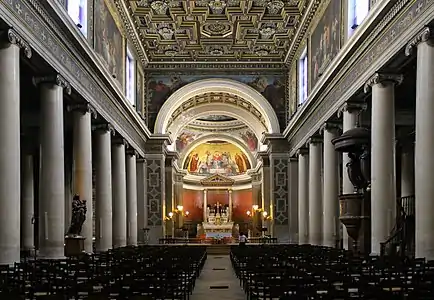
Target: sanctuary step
218,249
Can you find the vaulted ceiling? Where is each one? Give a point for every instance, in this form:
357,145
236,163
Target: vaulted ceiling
217,30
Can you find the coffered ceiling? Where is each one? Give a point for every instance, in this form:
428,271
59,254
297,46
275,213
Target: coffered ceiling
204,31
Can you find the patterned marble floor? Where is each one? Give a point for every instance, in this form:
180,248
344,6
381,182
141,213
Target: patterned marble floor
218,272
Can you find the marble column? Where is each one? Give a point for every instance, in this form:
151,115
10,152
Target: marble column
82,164
303,196
331,187
52,164
383,180
119,197
293,201
315,192
205,204
350,114
141,200
27,203
103,187
424,147
10,45
131,198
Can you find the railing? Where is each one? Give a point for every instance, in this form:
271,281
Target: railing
402,237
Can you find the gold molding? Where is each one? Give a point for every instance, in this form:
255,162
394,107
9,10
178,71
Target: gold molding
217,180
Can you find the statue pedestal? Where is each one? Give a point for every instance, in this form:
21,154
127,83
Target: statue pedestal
74,245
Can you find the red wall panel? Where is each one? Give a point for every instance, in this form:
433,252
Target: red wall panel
242,202
193,203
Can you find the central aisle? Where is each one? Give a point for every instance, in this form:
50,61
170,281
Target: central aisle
217,272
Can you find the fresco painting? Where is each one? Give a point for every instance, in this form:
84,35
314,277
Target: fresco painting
186,138
217,157
160,87
325,41
109,43
250,139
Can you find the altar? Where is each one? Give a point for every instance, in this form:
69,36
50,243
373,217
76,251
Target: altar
218,224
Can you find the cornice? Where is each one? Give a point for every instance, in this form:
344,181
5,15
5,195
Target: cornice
258,65
302,29
131,30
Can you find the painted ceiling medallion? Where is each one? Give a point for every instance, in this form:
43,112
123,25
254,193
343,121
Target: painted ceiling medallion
275,6
165,31
160,7
267,31
217,6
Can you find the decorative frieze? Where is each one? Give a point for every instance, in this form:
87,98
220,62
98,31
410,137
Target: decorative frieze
55,79
10,36
424,35
380,78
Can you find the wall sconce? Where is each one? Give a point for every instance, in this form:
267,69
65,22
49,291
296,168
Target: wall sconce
255,207
170,215
180,208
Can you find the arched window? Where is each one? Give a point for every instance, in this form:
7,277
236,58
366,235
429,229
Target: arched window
130,78
302,77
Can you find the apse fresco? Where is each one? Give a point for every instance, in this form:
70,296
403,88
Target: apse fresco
160,87
217,157
250,139
186,138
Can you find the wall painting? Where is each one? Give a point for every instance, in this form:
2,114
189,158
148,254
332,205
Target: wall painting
250,139
185,138
160,87
108,40
325,41
217,157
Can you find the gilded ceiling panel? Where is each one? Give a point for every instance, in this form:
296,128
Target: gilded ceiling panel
216,30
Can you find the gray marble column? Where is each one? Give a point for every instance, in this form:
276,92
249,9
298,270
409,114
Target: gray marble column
103,187
303,196
331,187
315,192
142,220
350,114
119,189
424,147
293,201
383,180
27,203
82,164
10,45
131,198
52,163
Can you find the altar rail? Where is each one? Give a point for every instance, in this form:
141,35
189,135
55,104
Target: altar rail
253,240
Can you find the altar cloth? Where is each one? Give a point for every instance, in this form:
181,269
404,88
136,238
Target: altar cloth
218,235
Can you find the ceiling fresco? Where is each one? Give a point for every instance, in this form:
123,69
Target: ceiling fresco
217,157
189,135
216,30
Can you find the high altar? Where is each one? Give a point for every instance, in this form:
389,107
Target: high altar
217,216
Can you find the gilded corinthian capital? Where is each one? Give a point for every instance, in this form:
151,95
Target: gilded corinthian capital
424,35
378,78
10,36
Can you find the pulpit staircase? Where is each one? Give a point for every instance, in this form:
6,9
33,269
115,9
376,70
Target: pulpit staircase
402,239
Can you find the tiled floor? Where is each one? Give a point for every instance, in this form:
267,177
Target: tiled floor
218,272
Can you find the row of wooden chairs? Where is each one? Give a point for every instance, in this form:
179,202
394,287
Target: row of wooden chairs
144,272
313,272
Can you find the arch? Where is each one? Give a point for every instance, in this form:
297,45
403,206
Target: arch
217,85
199,111
217,136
